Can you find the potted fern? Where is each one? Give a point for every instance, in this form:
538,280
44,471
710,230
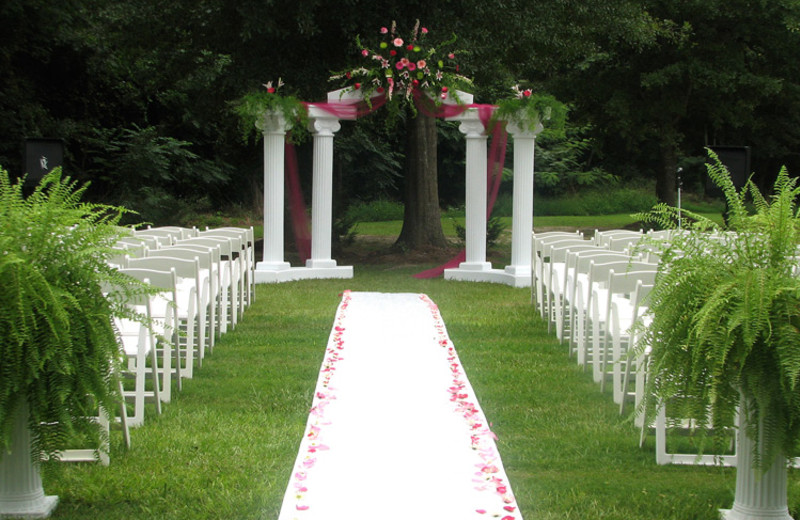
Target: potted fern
58,349
725,335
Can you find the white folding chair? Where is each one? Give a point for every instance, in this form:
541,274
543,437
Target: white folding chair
603,237
207,284
177,232
139,341
536,238
590,316
162,238
231,279
541,265
554,281
623,307
248,250
187,300
578,292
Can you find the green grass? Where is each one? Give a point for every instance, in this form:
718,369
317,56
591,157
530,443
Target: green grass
393,227
225,446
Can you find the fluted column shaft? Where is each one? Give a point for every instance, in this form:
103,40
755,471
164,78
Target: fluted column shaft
475,195
522,220
274,127
322,192
759,495
21,492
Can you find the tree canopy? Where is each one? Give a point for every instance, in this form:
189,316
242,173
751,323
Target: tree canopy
141,91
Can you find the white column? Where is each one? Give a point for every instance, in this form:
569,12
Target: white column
322,193
759,495
522,222
21,492
476,195
274,127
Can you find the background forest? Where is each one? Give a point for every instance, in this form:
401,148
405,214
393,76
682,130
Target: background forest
141,91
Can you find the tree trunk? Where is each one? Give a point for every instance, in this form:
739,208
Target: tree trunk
666,190
422,226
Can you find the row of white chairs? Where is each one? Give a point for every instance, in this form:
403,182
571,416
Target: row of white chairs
205,282
592,292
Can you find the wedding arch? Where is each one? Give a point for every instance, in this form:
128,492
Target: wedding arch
324,122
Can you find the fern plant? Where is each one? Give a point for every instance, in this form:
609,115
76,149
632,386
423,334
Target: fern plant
726,311
58,349
725,336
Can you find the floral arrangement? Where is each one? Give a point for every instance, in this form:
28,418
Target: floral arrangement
252,106
401,68
528,108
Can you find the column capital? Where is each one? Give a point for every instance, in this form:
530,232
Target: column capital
273,123
472,128
326,126
520,129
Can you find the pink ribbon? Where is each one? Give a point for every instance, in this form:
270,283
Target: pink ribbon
494,174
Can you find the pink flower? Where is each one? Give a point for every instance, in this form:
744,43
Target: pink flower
365,52
398,42
384,30
421,64
411,65
424,30
451,56
399,65
527,93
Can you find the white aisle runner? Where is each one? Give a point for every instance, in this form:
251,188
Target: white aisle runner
395,430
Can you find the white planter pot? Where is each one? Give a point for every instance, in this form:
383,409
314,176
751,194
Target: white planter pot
759,495
21,492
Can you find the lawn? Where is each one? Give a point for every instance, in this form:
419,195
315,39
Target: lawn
225,446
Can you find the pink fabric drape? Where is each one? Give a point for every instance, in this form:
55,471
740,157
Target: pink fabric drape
494,174
297,207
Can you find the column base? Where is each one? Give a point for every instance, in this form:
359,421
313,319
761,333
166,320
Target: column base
759,514
312,263
520,273
273,266
487,275
302,273
39,508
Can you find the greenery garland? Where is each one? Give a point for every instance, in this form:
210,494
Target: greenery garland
252,107
58,347
527,109
726,315
400,67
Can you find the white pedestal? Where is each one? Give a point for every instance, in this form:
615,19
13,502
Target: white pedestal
469,274
21,492
263,274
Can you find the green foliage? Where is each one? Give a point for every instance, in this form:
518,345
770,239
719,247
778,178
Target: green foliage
494,228
254,106
610,200
726,314
369,159
376,211
401,67
58,348
528,110
563,163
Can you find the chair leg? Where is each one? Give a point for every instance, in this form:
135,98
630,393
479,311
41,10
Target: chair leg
123,418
